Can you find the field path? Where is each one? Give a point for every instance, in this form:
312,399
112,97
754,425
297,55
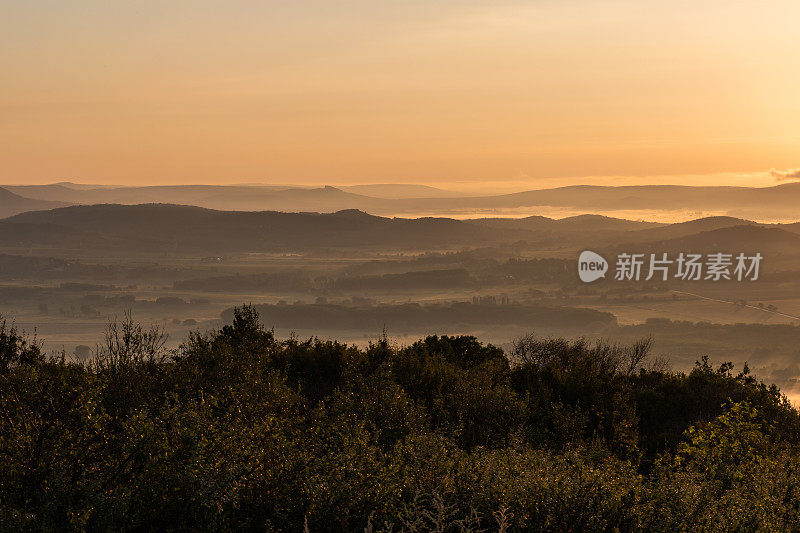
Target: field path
732,302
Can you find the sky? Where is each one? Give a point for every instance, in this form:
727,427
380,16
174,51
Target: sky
464,94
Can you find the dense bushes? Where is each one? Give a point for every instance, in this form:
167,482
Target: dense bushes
238,430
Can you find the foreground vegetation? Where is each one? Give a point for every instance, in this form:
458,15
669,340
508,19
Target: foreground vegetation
239,430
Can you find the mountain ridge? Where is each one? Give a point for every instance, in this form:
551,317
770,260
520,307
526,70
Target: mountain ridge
12,203
173,227
779,200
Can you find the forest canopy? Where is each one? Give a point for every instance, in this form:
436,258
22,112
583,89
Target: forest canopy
237,429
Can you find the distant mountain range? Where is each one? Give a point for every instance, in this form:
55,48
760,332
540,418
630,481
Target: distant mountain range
768,240
400,190
166,228
780,201
11,204
579,223
173,228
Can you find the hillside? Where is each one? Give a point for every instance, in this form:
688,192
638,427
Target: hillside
391,199
747,238
399,190
12,204
171,228
574,224
161,227
691,227
592,197
223,197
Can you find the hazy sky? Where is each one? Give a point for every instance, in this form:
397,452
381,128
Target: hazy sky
522,94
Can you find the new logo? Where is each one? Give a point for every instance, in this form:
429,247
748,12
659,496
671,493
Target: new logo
591,266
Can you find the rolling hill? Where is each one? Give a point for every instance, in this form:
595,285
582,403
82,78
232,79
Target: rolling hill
575,224
221,197
743,238
400,190
12,204
164,227
396,199
160,228
691,227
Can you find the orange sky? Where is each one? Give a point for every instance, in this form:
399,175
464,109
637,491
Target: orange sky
451,93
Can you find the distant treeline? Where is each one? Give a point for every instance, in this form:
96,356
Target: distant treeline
485,273
486,265
272,281
533,271
423,279
771,348
416,317
302,282
237,430
42,268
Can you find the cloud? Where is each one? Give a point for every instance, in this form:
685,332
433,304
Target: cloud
788,174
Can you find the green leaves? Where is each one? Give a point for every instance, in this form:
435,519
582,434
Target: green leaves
240,431
732,447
